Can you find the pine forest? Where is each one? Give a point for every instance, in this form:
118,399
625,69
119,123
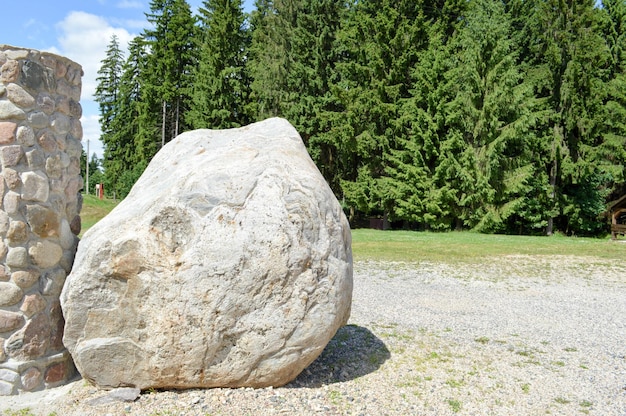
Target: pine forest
499,116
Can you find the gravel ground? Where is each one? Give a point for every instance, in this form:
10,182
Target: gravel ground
513,336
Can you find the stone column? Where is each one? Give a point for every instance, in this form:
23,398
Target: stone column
40,150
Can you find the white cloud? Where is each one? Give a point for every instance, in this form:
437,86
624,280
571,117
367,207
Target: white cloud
31,22
84,38
132,24
130,4
91,135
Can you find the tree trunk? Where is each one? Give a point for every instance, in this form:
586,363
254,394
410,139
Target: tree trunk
386,221
554,171
163,125
549,228
177,116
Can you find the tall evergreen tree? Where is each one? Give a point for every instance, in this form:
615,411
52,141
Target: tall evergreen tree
484,165
122,163
379,44
312,61
421,124
613,146
292,60
115,121
613,14
107,90
221,85
272,26
413,164
172,42
567,57
312,105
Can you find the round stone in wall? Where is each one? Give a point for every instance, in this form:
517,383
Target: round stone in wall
229,264
10,294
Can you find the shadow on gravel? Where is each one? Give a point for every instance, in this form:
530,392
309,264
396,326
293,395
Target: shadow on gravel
353,352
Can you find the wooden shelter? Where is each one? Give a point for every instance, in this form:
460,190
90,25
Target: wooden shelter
618,217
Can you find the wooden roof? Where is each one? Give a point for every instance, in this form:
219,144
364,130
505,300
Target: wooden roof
620,203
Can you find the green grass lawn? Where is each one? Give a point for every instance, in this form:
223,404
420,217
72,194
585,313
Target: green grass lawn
446,247
94,210
451,247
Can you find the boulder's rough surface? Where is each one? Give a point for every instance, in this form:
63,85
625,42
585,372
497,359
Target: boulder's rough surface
229,264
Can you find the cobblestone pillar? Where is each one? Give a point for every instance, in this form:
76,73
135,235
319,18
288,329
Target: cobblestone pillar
40,150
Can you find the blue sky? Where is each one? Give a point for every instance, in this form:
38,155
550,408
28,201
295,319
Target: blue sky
81,31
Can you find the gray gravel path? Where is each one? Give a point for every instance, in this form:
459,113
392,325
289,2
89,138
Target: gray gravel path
552,330
511,336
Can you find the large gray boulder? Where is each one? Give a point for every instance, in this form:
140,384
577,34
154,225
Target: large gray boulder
229,264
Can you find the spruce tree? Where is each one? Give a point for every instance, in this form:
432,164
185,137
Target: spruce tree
612,150
292,62
221,82
107,90
487,121
272,28
379,45
172,42
311,103
566,62
122,162
110,100
412,165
